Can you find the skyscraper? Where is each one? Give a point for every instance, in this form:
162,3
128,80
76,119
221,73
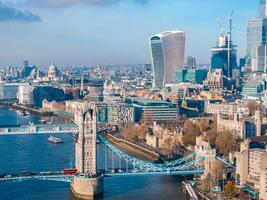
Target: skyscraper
191,61
220,54
256,36
263,8
167,54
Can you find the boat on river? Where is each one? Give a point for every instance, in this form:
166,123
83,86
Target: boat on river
55,140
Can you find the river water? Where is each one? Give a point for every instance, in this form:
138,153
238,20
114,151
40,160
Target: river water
35,153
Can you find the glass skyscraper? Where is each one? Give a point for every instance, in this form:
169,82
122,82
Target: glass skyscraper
219,58
256,36
263,8
167,54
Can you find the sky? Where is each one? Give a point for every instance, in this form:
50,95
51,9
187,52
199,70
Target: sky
92,32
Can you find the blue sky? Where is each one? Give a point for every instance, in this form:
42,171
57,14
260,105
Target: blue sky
77,32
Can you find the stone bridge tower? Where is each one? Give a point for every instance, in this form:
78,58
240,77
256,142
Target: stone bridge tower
87,183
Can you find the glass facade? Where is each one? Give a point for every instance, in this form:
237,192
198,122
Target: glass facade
263,8
8,91
256,36
167,52
158,61
262,59
191,75
219,60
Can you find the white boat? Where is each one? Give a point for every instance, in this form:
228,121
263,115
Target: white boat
43,121
21,113
55,139
27,112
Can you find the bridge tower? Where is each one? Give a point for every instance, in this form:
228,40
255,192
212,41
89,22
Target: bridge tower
88,183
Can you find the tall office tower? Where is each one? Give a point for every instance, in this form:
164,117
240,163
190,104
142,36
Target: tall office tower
167,54
191,61
263,9
256,36
262,59
220,54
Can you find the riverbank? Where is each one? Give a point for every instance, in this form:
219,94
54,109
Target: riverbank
31,110
133,149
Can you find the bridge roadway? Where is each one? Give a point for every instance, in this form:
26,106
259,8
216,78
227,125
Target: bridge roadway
48,176
184,166
39,129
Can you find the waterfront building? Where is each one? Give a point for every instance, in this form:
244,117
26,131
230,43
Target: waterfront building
220,54
167,54
149,110
9,91
120,114
214,81
256,37
25,94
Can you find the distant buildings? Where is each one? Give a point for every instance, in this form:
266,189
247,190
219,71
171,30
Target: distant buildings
224,55
8,91
167,53
191,62
25,95
191,75
52,72
254,87
214,80
256,40
263,8
95,90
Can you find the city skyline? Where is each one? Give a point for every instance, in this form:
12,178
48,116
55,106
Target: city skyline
35,31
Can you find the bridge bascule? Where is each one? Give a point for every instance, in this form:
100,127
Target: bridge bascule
89,180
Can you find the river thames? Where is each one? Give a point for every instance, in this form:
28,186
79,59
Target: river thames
35,153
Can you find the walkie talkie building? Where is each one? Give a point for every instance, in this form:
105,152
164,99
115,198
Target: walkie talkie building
167,54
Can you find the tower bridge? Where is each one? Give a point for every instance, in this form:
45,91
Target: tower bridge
89,179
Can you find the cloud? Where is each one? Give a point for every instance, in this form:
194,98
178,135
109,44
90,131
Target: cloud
66,3
10,13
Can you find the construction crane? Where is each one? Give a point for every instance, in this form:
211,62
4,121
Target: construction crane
229,42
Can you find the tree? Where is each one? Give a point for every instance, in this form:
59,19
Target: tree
226,143
204,125
211,136
189,139
230,189
134,133
191,132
